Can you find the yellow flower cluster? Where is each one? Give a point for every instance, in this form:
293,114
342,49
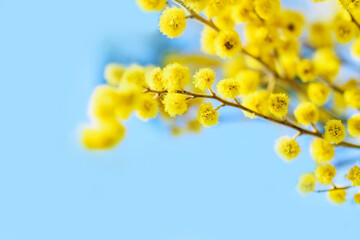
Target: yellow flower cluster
266,61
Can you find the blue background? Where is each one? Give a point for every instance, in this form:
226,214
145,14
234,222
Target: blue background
226,183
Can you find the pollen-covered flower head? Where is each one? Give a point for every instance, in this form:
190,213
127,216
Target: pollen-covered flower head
306,70
320,35
154,79
176,77
225,20
334,131
147,107
113,73
215,7
353,125
244,11
306,113
134,76
102,136
175,104
345,30
257,102
291,23
197,5
307,183
227,44
324,174
354,175
204,78
267,9
208,36
357,198
152,5
278,104
337,196
327,63
318,93
173,22
207,115
287,148
321,150
228,88
249,81
352,97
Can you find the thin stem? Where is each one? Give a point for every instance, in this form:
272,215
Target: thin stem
238,105
334,188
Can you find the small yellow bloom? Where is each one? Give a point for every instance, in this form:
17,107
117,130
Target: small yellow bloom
334,131
228,88
175,104
267,9
194,126
173,22
147,107
104,103
152,5
207,115
134,76
307,183
327,64
306,113
225,20
354,175
318,93
204,78
352,97
249,81
278,104
325,173
114,73
357,198
320,35
291,23
176,77
207,40
345,30
321,150
154,79
353,125
257,102
105,135
215,7
355,48
306,70
227,44
287,148
337,196
244,11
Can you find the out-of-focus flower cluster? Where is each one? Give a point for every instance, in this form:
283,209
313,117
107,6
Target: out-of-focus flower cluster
257,49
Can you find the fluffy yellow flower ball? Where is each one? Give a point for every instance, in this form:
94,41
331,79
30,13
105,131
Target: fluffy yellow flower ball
173,22
267,9
334,131
207,40
147,107
287,148
257,102
204,78
306,113
357,198
114,73
128,101
306,183
152,5
134,76
318,93
291,23
207,115
321,150
353,125
352,97
326,62
337,196
320,35
354,175
306,70
228,88
196,5
249,81
176,77
154,79
215,7
105,135
325,173
244,11
175,104
227,44
278,104
345,30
